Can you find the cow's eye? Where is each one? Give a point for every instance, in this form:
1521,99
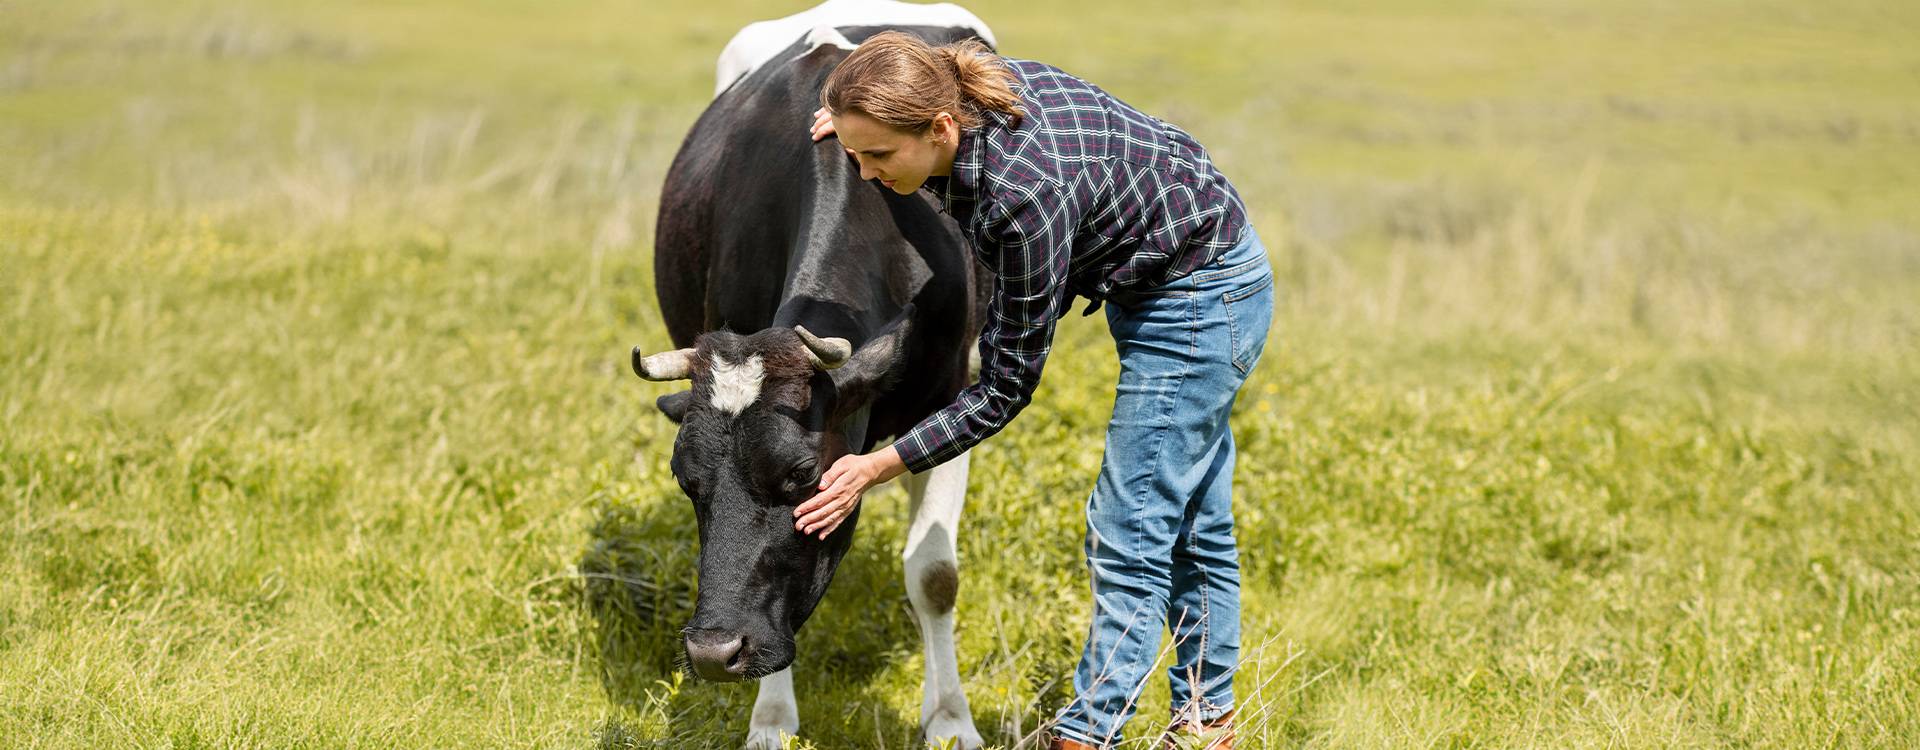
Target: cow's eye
803,474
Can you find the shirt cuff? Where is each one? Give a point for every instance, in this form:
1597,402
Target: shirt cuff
914,452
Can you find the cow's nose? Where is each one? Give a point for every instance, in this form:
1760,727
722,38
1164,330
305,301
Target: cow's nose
720,657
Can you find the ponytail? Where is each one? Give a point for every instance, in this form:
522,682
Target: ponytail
984,81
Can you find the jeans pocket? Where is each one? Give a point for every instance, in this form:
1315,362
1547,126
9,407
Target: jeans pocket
1249,314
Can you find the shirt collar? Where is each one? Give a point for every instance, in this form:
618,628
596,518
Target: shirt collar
962,183
969,158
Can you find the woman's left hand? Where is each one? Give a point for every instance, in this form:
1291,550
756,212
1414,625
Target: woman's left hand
841,488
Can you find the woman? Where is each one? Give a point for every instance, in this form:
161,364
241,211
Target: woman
1063,190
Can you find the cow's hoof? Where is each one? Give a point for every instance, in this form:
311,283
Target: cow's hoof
955,732
766,738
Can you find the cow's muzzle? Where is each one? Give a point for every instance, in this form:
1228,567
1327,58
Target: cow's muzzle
718,656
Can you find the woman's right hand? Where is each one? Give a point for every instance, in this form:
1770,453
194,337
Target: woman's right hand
822,123
823,126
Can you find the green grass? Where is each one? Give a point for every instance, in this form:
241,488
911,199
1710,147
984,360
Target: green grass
1589,419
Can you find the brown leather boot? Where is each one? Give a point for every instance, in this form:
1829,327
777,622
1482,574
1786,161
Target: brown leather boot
1062,743
1214,735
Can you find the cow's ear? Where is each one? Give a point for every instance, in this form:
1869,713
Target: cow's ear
873,366
674,405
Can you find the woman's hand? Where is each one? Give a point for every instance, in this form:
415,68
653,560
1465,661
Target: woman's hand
841,487
822,124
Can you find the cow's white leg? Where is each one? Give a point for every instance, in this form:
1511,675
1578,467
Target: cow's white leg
774,712
933,580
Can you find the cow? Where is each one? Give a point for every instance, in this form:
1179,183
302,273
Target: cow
815,314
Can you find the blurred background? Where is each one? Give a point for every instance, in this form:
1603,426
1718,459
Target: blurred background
1588,419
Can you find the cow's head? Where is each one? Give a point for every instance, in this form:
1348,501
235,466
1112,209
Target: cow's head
766,414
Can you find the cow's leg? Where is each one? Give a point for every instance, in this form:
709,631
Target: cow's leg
774,712
933,580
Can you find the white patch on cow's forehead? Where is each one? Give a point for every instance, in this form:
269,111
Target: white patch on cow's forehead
736,384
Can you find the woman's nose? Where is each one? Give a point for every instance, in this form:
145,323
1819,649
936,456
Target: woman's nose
866,172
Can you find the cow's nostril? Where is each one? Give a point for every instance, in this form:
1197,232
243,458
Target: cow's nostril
738,664
718,657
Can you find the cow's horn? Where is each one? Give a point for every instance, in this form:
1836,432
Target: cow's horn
673,365
827,353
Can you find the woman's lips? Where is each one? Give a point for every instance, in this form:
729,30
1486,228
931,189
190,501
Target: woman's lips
888,183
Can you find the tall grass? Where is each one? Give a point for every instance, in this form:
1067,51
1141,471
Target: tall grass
1589,418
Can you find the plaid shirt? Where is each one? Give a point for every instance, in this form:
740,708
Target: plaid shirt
1085,196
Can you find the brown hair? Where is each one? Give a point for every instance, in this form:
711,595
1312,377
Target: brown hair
900,80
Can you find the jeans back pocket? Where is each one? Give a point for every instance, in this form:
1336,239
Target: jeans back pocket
1249,315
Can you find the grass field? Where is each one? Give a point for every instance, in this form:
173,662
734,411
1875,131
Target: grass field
1591,416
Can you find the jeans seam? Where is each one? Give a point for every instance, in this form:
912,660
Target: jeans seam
1198,691
1193,333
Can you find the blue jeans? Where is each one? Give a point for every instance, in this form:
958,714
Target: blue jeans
1160,543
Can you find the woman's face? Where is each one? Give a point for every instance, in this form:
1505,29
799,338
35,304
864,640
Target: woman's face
901,160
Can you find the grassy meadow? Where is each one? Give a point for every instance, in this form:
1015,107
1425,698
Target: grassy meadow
1591,416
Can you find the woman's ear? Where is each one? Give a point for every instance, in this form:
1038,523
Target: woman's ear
945,129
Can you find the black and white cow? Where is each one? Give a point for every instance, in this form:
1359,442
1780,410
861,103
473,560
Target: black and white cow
817,314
